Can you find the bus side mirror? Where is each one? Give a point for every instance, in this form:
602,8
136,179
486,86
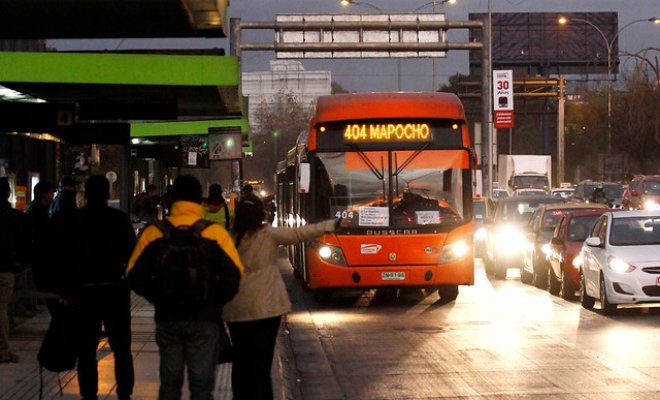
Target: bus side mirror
304,178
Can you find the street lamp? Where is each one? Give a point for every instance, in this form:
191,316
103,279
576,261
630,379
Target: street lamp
434,3
346,3
608,44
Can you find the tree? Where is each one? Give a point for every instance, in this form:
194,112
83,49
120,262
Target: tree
635,119
280,119
336,88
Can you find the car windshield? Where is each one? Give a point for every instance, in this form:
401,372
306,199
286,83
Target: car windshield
534,181
612,191
422,188
579,227
521,209
652,188
551,218
498,193
563,193
635,231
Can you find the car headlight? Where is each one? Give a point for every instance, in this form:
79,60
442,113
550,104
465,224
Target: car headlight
331,254
577,261
546,249
620,266
454,251
480,234
509,239
651,205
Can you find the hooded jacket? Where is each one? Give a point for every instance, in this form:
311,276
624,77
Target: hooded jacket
226,261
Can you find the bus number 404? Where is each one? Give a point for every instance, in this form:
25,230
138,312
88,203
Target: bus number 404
344,214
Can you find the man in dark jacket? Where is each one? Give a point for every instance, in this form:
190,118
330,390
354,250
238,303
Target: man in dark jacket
187,336
98,241
39,229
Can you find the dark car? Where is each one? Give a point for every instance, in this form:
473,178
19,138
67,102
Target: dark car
538,234
505,238
643,193
565,245
613,191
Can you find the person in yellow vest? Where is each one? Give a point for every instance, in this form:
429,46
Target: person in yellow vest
216,209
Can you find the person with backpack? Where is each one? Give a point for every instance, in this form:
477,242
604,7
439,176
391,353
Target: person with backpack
216,209
96,241
188,268
254,315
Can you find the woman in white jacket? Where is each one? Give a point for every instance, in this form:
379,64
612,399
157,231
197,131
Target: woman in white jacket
254,314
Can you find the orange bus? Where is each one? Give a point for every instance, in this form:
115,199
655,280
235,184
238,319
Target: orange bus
397,167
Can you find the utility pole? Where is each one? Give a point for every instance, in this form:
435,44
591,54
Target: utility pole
561,88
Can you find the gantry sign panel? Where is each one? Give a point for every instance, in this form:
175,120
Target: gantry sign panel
360,34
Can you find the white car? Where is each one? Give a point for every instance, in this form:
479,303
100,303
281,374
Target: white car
621,260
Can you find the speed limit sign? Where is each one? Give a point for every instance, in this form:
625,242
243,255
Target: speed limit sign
503,98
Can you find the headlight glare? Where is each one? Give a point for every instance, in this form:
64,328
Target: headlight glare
651,205
331,254
577,261
454,251
480,234
620,266
546,249
325,252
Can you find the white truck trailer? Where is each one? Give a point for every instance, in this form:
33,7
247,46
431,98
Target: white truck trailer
517,171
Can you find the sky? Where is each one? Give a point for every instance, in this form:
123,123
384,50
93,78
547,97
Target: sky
381,74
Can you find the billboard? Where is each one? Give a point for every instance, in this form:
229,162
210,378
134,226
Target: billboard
360,34
536,43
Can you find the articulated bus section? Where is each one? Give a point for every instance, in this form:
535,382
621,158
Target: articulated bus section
397,168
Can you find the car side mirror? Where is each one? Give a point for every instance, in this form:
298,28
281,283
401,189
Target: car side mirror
593,242
557,240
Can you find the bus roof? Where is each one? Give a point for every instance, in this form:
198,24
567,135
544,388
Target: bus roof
343,107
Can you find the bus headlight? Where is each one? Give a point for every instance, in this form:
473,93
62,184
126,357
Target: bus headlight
454,251
480,234
331,254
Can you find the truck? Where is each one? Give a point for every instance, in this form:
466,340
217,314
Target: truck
518,171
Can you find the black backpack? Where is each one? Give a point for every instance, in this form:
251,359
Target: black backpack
183,278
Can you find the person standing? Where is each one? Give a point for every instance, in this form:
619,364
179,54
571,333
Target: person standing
65,200
38,222
98,241
187,334
11,242
254,315
145,205
216,209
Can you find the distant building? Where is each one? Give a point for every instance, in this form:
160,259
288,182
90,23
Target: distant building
288,76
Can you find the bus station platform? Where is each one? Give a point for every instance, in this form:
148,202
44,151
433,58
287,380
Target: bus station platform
22,380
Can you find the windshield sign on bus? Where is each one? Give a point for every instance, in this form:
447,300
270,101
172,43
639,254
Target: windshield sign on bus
393,132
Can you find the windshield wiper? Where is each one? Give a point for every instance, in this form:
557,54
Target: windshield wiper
409,159
380,175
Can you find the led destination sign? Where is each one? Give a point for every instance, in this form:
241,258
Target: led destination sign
387,132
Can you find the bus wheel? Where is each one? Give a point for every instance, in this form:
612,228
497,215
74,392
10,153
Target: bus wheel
448,292
322,295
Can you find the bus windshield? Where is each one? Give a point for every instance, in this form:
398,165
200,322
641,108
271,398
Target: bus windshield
391,189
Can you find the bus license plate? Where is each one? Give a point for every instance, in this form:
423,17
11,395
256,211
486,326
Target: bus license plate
392,276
